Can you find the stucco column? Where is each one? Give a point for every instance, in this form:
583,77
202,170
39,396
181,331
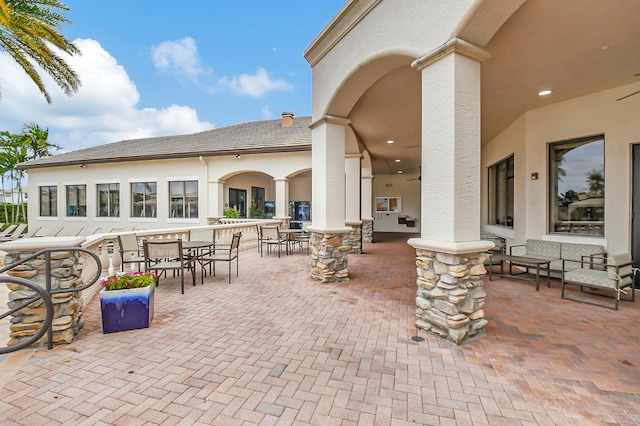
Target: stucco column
282,201
366,205
352,201
215,207
328,230
449,253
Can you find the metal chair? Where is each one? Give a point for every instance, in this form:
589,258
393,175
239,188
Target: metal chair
130,251
223,253
271,236
166,255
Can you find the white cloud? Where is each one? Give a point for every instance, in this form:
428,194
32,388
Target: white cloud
103,110
256,85
179,57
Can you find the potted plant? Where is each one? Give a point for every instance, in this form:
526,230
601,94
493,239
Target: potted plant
126,301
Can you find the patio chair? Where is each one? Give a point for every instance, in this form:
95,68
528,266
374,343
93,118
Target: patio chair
32,232
129,249
202,234
166,255
614,279
8,230
271,237
15,233
223,253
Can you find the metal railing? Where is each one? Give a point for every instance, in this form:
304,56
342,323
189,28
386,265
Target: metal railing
43,293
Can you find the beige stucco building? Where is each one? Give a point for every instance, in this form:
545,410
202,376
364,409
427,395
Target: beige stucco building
511,111
174,181
467,116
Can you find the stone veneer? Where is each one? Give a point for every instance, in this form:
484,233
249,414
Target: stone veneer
367,230
450,294
66,273
354,238
329,253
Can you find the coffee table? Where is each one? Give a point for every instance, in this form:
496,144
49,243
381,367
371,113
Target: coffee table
527,262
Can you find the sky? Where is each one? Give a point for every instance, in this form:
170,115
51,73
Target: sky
152,68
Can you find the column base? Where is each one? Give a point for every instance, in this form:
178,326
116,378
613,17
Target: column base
329,255
367,230
450,296
354,239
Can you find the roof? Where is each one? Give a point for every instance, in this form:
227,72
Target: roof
247,138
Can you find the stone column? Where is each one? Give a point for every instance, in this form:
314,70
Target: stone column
282,201
366,205
449,251
352,201
329,251
66,273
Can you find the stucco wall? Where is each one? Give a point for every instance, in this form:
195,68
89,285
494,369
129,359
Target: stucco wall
397,186
528,138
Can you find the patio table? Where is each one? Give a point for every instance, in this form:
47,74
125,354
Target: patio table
527,262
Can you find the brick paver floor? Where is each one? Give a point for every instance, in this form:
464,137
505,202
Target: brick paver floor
276,347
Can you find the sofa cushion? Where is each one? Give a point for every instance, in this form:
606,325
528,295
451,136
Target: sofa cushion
590,277
574,252
548,250
626,271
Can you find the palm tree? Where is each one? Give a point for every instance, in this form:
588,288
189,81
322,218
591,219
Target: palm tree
595,180
36,139
28,31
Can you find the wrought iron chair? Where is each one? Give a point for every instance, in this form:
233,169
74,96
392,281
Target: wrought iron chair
166,255
223,253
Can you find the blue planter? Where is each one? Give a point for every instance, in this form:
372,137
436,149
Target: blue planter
127,309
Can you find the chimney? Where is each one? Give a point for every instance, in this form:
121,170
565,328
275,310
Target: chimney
287,119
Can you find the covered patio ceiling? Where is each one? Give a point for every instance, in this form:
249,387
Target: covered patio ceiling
570,48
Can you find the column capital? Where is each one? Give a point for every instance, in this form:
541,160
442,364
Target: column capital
451,248
329,119
455,45
353,155
281,179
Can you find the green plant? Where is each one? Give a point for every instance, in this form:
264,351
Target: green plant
231,213
256,213
121,281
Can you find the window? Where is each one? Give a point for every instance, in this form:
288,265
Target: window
501,189
108,199
184,199
257,209
48,201
144,199
576,178
238,201
77,200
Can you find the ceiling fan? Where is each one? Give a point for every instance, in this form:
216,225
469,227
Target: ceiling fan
419,176
630,94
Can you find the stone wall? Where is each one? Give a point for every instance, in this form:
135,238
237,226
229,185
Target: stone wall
329,253
66,271
450,294
367,230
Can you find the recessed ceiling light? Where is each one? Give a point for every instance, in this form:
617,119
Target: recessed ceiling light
397,161
389,141
604,47
399,171
544,92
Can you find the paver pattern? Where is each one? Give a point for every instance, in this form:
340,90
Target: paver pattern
276,347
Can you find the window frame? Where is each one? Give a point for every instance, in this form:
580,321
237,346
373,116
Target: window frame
496,207
144,200
113,206
181,206
52,201
79,190
593,227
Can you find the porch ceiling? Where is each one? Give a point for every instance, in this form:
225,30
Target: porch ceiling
546,44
